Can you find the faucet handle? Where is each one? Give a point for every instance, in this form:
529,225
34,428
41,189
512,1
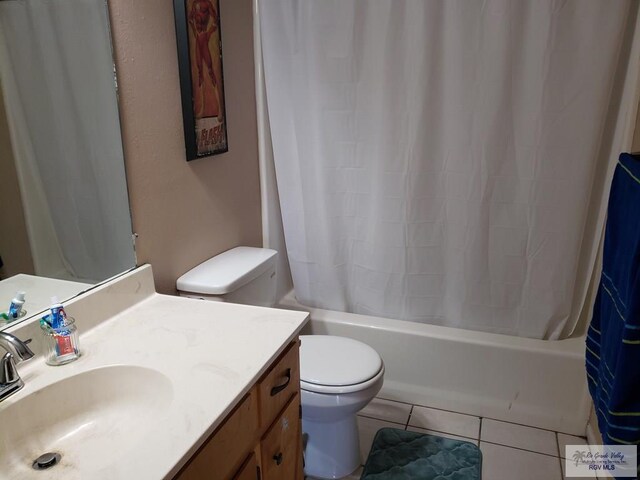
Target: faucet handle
8,370
15,346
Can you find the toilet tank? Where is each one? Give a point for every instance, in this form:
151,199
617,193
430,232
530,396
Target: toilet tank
240,275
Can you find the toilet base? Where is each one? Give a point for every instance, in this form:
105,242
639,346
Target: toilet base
332,449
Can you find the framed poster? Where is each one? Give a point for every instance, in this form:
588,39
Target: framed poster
201,80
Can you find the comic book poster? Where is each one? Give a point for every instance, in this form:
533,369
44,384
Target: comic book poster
206,81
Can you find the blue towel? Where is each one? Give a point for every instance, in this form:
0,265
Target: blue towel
613,339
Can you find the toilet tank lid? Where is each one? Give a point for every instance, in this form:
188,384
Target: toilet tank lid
227,271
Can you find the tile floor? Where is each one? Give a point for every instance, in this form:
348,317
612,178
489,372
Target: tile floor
510,451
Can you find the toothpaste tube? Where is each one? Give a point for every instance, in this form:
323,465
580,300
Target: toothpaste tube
16,305
58,315
58,321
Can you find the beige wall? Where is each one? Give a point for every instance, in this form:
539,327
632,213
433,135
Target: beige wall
14,241
184,212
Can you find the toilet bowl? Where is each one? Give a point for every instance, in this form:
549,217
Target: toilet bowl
338,377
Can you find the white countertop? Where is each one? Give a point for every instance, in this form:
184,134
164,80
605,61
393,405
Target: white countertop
211,353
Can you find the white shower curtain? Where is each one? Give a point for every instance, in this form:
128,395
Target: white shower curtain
437,161
57,76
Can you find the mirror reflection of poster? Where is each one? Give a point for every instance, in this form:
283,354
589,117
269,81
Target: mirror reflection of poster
200,57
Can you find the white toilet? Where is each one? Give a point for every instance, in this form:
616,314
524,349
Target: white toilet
338,376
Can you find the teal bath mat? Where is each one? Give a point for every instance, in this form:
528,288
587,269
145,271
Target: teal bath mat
401,455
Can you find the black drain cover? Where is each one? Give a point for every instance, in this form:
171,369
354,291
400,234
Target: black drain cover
46,460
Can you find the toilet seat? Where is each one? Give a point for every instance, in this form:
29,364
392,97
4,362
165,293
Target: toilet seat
340,389
337,365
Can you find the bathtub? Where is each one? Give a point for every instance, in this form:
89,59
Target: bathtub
521,380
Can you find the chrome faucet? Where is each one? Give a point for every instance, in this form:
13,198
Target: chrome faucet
10,381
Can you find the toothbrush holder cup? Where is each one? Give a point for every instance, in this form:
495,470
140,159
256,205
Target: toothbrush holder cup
61,343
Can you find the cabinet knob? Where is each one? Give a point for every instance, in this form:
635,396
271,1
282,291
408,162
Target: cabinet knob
278,458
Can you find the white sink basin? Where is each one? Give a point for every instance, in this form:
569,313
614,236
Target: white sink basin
91,419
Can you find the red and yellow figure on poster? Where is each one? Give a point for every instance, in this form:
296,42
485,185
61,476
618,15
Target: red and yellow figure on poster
206,81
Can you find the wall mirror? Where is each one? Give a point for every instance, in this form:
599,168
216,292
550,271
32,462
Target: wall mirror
64,208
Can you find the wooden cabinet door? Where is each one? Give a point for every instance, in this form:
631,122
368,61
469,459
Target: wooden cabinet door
281,453
248,471
219,457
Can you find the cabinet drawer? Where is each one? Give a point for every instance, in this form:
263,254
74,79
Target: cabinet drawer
281,447
249,470
278,385
225,449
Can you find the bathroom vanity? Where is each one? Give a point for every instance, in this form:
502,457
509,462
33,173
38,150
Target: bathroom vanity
166,388
262,437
